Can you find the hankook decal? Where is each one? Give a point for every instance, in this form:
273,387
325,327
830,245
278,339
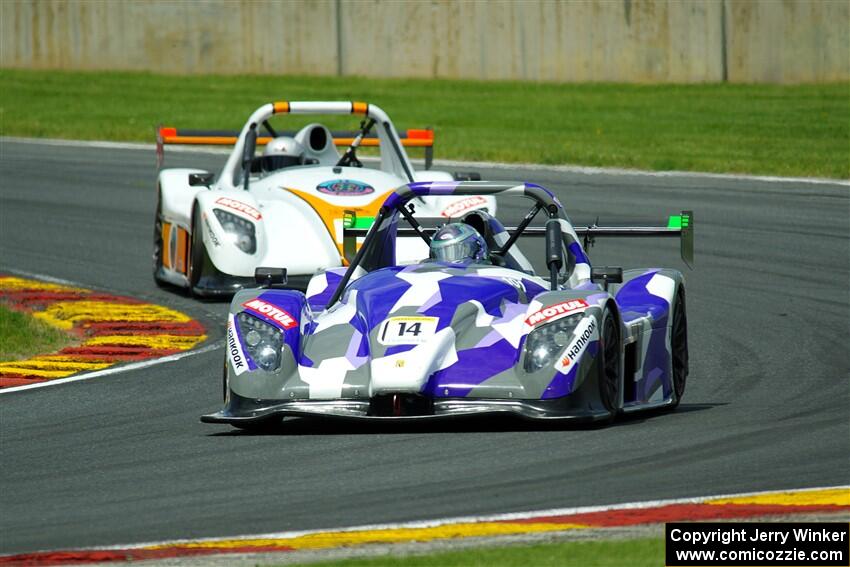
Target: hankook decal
585,331
234,348
210,232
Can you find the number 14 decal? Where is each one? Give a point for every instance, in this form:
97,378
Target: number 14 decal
407,330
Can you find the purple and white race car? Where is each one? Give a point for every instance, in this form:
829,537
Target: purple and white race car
461,336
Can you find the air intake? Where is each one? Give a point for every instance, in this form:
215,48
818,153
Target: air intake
397,405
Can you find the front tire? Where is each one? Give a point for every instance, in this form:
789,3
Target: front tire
197,251
679,348
157,242
609,364
224,385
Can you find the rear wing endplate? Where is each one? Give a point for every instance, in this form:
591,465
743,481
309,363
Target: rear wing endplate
412,138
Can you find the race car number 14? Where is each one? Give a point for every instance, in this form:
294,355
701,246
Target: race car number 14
407,330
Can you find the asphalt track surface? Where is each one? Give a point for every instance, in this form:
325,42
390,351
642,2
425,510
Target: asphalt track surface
124,459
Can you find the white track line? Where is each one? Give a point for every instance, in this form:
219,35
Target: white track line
477,519
113,145
106,371
615,171
42,277
465,164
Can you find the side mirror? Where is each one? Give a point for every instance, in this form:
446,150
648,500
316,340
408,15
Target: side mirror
248,153
270,277
606,275
200,179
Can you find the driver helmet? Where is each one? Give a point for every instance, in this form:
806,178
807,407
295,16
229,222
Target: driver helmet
456,242
283,151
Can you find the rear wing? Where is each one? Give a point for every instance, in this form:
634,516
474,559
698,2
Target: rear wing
412,138
680,226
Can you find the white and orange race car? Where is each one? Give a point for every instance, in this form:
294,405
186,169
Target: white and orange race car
286,207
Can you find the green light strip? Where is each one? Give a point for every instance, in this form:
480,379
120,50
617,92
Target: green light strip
357,222
363,222
675,221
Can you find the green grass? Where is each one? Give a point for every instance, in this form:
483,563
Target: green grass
648,552
22,336
762,129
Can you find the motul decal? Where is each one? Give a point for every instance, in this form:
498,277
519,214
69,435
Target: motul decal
463,205
556,311
583,334
234,348
275,314
239,206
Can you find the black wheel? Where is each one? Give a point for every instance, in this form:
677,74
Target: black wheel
679,347
157,241
196,250
609,364
224,381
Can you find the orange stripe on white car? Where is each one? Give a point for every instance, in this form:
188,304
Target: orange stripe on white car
166,245
332,215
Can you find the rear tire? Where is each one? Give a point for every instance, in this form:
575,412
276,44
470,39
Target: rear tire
679,348
609,364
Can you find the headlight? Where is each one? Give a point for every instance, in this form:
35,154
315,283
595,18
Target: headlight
239,230
543,345
263,341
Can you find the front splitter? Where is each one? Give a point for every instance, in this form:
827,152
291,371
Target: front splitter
261,412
